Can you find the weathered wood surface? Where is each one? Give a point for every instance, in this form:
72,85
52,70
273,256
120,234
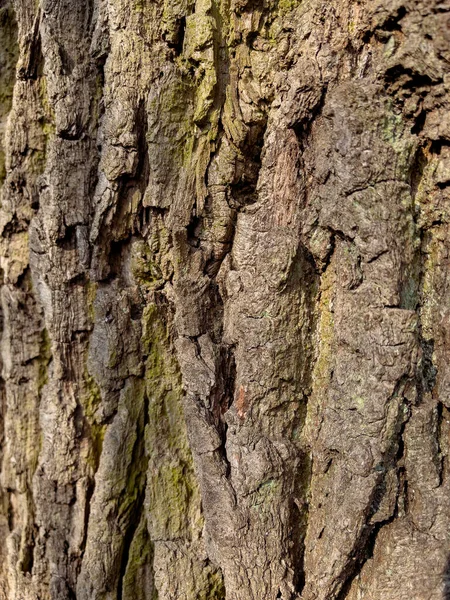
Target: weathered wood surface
225,299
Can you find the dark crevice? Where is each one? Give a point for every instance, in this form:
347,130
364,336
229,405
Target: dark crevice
304,280
74,133
224,394
408,78
302,128
116,260
403,497
437,145
419,122
176,40
299,513
365,545
68,240
440,452
89,22
330,252
446,580
428,372
128,539
116,237
67,62
364,548
417,170
27,559
97,104
14,225
137,508
10,515
441,8
243,189
145,217
392,23
136,311
223,452
130,182
214,262
33,58
250,38
193,231
90,488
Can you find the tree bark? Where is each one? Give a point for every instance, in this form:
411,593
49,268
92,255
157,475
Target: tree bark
225,299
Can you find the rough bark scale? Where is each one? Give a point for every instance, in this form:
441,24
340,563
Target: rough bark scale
225,301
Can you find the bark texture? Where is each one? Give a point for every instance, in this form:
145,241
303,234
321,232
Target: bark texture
225,301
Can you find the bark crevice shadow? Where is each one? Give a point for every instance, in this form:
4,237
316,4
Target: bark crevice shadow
446,580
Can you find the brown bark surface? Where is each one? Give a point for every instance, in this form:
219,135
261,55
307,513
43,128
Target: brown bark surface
225,299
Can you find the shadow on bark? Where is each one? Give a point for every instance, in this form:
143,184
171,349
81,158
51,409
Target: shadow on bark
446,578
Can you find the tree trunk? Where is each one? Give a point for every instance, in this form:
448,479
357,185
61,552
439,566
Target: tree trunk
225,299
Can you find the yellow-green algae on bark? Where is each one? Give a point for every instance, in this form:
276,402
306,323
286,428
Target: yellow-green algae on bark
173,497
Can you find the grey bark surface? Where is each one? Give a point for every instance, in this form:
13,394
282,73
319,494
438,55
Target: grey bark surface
225,299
